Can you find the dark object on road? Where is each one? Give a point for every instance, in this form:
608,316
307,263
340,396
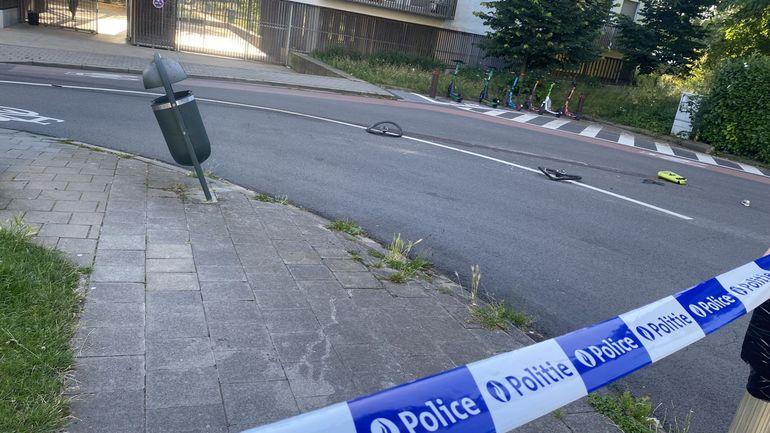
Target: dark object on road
178,117
652,181
554,174
672,177
756,352
33,18
391,129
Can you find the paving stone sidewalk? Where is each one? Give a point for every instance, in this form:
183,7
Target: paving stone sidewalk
218,317
54,47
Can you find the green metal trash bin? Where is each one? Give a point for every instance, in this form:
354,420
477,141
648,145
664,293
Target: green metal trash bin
188,108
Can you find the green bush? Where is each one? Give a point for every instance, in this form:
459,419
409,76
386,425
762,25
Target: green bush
733,115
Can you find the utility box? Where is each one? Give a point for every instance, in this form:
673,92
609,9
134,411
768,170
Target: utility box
688,104
172,132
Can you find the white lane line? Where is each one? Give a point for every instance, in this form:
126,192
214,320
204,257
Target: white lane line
532,170
591,131
626,139
466,152
750,169
556,124
708,159
431,100
524,118
665,148
495,112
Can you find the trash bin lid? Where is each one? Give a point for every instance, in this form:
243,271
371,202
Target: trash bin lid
163,103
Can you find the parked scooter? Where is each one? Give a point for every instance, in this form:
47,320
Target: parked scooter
484,96
451,91
564,110
509,102
545,106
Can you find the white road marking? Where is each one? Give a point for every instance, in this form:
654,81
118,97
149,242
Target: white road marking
591,131
555,124
524,118
495,112
104,76
665,148
708,159
431,100
750,169
9,114
626,139
466,152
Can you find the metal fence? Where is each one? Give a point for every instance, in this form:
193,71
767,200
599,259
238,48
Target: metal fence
266,30
444,9
71,14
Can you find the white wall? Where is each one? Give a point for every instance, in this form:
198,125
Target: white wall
464,20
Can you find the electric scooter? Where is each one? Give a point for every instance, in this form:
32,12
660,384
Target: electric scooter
451,91
509,102
545,107
484,96
529,103
564,110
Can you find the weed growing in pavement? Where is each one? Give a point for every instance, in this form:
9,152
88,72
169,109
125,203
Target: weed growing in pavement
475,279
346,226
354,255
631,414
16,226
498,315
282,199
181,190
86,270
206,173
558,414
376,254
444,290
38,317
397,258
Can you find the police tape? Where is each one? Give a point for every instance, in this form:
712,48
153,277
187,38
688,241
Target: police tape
506,391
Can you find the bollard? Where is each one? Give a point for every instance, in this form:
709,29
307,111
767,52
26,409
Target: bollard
434,82
753,413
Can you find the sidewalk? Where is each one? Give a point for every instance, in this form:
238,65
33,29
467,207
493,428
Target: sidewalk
26,44
217,317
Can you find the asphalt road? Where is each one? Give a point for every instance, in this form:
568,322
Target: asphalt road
568,256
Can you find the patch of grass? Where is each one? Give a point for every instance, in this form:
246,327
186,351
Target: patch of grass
498,316
636,414
67,141
631,414
284,200
444,290
346,226
206,173
376,254
86,270
397,258
558,414
398,277
38,315
475,279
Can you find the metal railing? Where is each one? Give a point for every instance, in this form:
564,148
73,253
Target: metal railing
444,9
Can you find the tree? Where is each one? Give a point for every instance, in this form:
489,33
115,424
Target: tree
544,34
669,37
741,28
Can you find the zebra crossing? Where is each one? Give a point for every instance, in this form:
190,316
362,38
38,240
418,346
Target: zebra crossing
602,132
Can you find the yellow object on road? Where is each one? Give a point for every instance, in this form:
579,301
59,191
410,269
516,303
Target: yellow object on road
672,177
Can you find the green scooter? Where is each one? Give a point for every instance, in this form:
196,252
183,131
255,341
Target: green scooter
484,96
451,91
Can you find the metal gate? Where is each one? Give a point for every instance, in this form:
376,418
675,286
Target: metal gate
70,14
153,23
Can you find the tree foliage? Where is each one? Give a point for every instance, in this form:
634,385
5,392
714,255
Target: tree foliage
544,34
741,28
669,37
725,118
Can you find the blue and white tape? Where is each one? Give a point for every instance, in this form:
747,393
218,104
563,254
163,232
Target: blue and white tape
506,391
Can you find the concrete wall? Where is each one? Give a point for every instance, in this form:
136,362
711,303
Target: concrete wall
464,20
9,17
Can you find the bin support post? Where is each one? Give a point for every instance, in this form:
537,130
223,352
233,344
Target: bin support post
180,122
753,415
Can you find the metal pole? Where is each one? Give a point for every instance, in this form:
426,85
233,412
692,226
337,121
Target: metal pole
753,415
288,31
180,121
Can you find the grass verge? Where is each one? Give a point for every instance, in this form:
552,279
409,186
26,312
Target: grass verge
284,200
38,316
